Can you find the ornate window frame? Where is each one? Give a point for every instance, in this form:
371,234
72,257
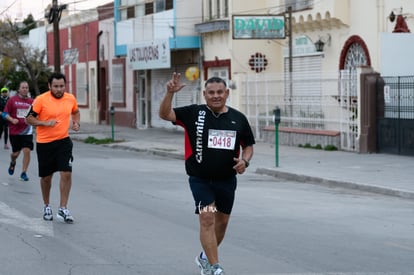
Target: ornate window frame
354,42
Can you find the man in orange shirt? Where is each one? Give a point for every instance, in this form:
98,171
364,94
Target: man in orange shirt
51,113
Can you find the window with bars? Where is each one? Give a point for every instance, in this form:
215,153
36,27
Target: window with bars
130,12
159,5
226,8
81,86
218,9
149,8
210,9
117,89
169,4
258,62
298,5
132,9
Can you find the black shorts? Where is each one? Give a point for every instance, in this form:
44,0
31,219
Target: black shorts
54,156
206,191
18,142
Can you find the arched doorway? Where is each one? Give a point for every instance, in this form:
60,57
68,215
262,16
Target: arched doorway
354,54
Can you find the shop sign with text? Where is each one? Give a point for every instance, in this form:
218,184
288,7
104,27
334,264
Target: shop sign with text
149,55
258,27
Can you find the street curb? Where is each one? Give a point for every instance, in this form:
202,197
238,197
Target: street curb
335,183
162,152
154,151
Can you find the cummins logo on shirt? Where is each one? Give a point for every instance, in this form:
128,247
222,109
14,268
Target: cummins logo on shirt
199,135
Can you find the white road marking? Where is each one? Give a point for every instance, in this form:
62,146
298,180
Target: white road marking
18,219
401,246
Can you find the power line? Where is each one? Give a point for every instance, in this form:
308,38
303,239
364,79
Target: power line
8,7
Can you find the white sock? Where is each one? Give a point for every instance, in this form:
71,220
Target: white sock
203,256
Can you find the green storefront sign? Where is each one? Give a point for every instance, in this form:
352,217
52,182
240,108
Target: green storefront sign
258,27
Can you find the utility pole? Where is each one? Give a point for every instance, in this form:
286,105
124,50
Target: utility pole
56,37
54,17
288,18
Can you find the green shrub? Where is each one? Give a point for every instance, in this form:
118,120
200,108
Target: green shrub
318,147
93,140
330,148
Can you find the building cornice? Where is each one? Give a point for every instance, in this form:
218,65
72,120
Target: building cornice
316,23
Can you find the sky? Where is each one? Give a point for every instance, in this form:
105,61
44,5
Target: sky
20,9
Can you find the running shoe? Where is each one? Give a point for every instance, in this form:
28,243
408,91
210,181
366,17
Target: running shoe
64,215
47,213
204,265
217,270
24,177
6,147
11,168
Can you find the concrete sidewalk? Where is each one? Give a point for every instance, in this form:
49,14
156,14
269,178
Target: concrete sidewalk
379,173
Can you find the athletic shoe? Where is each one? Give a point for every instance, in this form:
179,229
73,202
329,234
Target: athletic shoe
217,270
11,168
204,265
47,213
6,147
24,177
64,215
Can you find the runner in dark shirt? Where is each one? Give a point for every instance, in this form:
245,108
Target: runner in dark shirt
4,127
218,145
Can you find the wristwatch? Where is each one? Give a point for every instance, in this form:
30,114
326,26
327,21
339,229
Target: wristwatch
246,162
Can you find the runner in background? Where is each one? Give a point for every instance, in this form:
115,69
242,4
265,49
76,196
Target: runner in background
21,134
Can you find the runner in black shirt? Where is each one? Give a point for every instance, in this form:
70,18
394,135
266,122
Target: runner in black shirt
4,126
218,145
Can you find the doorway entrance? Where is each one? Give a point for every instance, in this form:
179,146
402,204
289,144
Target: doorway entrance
141,100
395,121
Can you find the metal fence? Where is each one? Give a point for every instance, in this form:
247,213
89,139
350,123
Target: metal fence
399,97
395,122
313,103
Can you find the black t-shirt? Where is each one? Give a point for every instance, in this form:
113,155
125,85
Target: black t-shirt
213,140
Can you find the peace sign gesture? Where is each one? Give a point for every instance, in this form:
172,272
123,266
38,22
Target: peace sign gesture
174,85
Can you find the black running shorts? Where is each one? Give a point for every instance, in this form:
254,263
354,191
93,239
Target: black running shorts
18,142
54,156
207,191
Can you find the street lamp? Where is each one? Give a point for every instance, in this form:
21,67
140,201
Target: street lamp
392,16
321,43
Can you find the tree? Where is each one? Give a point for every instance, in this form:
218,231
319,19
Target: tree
6,68
26,59
29,24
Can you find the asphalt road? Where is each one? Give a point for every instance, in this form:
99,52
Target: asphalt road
134,215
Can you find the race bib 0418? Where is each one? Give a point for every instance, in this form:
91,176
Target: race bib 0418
221,139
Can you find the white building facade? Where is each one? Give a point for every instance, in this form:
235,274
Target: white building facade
156,38
315,88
